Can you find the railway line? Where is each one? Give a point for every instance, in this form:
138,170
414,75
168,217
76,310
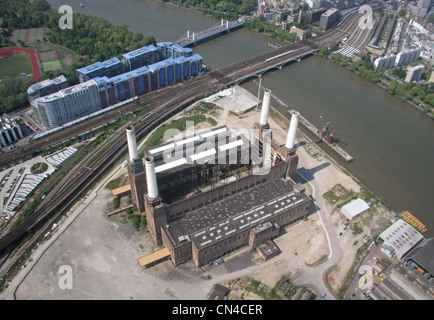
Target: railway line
165,103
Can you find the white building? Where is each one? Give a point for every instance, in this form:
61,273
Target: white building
414,73
68,104
399,239
407,57
354,209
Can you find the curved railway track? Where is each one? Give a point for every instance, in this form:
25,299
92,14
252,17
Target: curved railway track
167,102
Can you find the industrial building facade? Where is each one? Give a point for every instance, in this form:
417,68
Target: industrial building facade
213,192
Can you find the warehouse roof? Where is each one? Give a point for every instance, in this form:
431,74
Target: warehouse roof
423,255
354,208
401,236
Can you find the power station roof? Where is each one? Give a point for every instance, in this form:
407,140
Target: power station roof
242,210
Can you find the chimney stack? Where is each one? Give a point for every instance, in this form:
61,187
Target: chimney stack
265,108
132,144
151,178
292,131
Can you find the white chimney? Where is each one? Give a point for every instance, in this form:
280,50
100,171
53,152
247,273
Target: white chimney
265,108
132,144
151,178
292,131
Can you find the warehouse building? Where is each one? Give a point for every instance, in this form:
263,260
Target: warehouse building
211,193
421,257
399,239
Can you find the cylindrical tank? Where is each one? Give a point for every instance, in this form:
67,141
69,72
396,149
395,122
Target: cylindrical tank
292,131
265,108
132,144
151,178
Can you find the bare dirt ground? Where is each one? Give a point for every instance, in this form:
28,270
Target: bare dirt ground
103,251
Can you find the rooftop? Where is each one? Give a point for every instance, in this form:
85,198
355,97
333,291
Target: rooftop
235,213
198,148
46,83
139,51
401,236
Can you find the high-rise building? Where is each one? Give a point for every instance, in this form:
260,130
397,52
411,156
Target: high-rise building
328,19
46,87
387,62
414,73
407,57
68,104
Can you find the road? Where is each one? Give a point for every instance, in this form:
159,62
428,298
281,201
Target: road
316,276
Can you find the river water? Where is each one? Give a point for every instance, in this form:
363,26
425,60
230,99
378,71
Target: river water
391,142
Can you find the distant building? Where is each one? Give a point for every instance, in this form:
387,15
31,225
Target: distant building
300,32
399,239
68,104
414,73
407,57
328,19
387,62
10,130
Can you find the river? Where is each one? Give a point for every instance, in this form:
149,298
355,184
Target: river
391,142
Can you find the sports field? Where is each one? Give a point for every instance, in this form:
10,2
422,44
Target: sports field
17,62
14,65
27,35
50,61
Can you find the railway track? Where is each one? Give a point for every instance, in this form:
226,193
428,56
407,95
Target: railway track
167,102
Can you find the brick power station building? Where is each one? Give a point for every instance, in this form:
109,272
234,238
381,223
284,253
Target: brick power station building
211,193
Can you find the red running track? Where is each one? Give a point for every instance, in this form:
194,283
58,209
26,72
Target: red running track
33,60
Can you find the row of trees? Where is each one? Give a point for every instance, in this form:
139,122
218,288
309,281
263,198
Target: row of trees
365,68
227,9
261,25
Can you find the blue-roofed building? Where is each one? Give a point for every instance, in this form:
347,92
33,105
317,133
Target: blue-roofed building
162,73
107,92
113,67
132,83
196,64
109,68
140,57
168,50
